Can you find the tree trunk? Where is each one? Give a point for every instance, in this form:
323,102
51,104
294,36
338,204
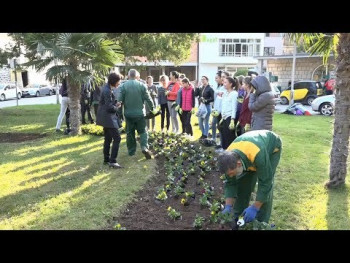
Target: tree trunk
74,106
341,133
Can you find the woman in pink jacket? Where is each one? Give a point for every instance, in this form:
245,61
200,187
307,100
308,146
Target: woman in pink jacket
187,102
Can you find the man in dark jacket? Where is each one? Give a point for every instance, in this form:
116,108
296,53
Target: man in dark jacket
252,157
106,117
85,100
133,95
261,104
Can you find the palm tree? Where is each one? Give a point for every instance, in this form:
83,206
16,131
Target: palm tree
77,56
340,45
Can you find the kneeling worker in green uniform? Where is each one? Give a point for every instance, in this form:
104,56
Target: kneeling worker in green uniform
251,157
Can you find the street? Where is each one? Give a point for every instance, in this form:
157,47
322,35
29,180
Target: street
52,100
29,101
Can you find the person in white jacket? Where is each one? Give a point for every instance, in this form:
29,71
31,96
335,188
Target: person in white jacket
228,112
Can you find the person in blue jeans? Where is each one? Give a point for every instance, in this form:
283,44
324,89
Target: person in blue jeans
206,96
218,92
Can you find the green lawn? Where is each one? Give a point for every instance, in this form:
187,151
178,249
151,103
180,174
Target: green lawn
59,182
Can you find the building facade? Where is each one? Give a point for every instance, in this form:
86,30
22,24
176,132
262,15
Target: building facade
228,51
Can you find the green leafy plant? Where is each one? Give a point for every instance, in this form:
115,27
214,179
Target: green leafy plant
178,190
198,222
185,202
92,129
215,206
213,217
173,214
256,225
203,201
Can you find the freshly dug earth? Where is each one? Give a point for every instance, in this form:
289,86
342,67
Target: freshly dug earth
147,213
19,137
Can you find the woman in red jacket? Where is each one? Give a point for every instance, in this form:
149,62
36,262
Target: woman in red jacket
245,115
171,94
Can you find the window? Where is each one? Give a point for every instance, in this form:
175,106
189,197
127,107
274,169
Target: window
269,51
267,34
239,47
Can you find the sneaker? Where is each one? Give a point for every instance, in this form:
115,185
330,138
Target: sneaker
115,165
147,154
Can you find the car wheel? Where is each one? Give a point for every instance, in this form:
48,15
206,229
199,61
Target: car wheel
310,100
19,95
37,94
326,109
284,101
50,93
2,97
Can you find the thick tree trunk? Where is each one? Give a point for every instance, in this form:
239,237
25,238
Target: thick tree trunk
74,105
341,133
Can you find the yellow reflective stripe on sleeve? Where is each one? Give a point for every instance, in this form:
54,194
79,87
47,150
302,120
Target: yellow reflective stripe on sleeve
248,148
251,168
276,150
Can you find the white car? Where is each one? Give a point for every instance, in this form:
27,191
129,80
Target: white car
276,93
8,91
324,104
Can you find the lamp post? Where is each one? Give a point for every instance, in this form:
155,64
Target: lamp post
293,72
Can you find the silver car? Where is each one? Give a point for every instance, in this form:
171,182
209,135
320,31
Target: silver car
324,105
37,90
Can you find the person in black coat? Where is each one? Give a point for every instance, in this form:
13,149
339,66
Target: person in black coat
107,118
206,96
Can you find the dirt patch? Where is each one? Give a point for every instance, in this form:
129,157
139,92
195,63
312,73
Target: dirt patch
147,213
19,137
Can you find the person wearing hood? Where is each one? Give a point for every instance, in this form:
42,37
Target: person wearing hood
252,157
186,105
261,104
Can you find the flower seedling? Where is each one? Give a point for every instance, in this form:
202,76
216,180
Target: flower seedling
161,195
178,190
198,222
173,214
185,201
189,194
213,217
204,202
119,227
215,206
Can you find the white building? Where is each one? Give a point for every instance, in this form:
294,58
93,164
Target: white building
228,51
28,76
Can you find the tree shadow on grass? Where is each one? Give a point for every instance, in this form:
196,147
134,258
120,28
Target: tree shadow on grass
338,212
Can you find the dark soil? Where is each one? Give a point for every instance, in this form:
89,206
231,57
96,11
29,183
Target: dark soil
19,137
147,213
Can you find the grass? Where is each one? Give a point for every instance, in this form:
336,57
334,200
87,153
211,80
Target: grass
59,182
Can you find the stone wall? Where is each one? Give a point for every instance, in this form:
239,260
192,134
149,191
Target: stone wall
304,68
5,75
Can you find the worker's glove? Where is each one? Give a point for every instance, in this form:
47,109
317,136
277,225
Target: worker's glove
180,111
121,129
215,113
193,111
155,111
232,125
174,104
167,93
227,209
249,213
177,108
202,99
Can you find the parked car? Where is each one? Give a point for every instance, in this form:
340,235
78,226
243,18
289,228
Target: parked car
305,92
276,93
8,91
37,90
324,105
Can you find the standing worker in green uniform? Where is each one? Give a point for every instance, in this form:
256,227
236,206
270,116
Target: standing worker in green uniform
251,157
133,95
